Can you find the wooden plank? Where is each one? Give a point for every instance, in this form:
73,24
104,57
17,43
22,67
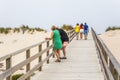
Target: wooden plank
28,65
109,74
18,66
24,49
47,51
81,64
112,58
34,69
8,66
20,51
40,57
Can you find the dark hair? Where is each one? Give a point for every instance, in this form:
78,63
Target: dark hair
77,24
81,24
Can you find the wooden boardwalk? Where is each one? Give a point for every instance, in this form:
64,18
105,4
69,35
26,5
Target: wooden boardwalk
82,63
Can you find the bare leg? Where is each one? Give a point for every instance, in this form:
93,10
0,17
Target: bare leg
64,51
76,36
57,54
85,37
58,51
80,35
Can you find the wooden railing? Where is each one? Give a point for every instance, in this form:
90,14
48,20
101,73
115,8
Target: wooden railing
110,66
27,62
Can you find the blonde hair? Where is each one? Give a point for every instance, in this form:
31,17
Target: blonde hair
53,27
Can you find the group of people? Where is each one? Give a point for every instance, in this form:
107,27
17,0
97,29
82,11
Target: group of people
82,29
60,41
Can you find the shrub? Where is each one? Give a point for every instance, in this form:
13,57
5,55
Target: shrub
4,30
16,30
112,28
16,76
67,27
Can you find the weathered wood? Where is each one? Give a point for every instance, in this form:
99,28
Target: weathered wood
11,70
81,64
35,68
23,63
20,51
48,52
24,49
40,57
8,66
107,58
111,67
106,68
28,65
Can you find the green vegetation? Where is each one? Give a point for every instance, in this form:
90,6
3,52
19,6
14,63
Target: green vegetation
26,28
22,28
16,30
67,27
16,76
4,30
112,28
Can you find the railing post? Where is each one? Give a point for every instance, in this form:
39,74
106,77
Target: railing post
118,77
48,52
111,67
28,65
52,50
8,65
40,57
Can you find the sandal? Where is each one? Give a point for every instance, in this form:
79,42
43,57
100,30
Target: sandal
63,57
57,60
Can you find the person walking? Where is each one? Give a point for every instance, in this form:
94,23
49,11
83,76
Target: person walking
86,30
55,35
81,30
77,30
65,41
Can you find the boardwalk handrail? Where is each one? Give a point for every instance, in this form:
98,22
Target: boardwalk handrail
110,65
12,69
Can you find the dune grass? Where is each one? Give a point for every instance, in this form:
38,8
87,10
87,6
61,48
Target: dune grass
112,28
26,28
22,28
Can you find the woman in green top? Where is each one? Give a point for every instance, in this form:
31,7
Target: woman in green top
55,35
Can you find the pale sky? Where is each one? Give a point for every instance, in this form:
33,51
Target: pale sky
99,14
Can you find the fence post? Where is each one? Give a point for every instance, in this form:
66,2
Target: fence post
111,67
48,52
8,65
53,51
28,65
40,57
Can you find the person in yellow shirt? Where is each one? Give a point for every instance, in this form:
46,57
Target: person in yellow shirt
77,30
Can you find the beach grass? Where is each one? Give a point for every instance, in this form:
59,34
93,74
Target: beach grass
112,28
22,28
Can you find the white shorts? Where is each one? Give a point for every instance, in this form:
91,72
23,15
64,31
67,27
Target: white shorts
81,30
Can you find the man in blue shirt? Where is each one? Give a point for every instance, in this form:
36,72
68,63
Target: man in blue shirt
86,30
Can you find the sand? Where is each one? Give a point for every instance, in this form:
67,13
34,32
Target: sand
15,41
112,40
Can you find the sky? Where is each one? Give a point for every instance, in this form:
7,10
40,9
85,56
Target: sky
98,14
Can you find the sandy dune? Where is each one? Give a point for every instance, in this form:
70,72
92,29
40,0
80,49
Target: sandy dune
112,40
15,41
